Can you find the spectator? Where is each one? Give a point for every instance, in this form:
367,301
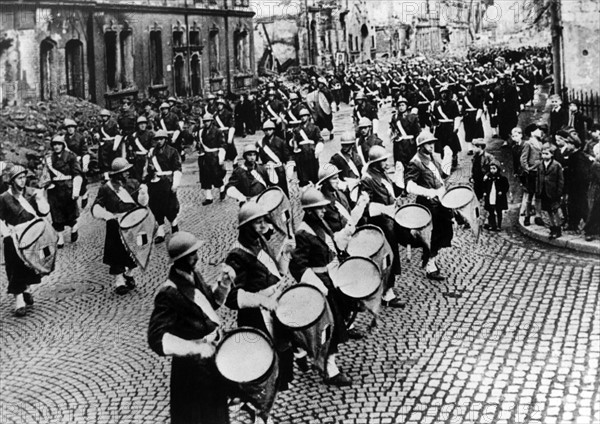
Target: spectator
530,160
559,115
481,166
577,181
577,120
592,140
592,226
550,184
495,196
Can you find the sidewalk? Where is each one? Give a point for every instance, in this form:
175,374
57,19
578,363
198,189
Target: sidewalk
568,240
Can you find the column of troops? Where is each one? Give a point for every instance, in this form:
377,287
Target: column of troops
344,255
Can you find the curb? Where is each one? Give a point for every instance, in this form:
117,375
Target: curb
567,241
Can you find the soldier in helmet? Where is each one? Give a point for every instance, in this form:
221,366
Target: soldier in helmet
472,107
111,146
274,110
223,118
309,143
363,109
405,129
118,196
446,118
211,159
274,154
19,205
249,179
164,175
65,188
366,138
78,144
138,145
211,104
127,118
169,121
184,325
348,161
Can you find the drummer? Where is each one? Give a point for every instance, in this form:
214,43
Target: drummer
425,178
382,194
274,154
249,179
348,161
256,274
185,325
119,195
18,205
313,257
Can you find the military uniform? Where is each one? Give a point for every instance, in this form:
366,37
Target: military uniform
274,153
64,169
163,163
211,140
306,137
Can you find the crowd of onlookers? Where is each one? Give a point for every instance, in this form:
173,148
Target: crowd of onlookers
558,166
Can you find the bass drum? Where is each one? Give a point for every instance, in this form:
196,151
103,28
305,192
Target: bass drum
36,244
369,242
137,229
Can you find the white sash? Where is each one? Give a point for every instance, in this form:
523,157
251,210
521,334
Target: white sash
218,119
352,165
270,153
401,128
155,163
272,112
389,187
138,144
292,115
257,176
104,135
24,203
202,302
164,127
469,103
122,193
58,175
342,210
305,137
328,241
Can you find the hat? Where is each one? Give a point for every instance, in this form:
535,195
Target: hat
304,112
249,212
360,96
15,171
164,105
208,117
249,148
293,96
69,123
327,171
425,137
211,97
268,125
364,122
444,87
182,244
402,100
58,139
378,154
119,165
221,100
313,198
141,119
348,138
322,80
172,99
104,112
161,134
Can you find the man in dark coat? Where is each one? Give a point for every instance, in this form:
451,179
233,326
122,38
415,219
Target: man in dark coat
508,106
349,163
78,144
211,157
445,117
274,155
577,181
405,129
138,145
169,121
310,144
472,107
127,118
366,139
249,179
111,145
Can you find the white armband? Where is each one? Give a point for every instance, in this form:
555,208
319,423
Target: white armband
77,181
143,197
236,194
176,179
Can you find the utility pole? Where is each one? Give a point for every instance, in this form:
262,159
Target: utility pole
557,51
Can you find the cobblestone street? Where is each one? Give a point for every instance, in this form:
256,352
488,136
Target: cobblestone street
512,336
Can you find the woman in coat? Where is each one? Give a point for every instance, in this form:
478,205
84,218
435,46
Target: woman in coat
315,254
19,205
495,196
119,195
184,324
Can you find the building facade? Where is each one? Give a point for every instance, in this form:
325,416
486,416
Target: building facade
104,50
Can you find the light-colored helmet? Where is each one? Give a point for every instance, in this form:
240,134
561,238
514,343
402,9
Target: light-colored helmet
313,198
364,122
378,154
425,137
182,244
69,123
327,171
268,125
249,212
119,165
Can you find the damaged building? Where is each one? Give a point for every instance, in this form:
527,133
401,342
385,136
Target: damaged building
104,50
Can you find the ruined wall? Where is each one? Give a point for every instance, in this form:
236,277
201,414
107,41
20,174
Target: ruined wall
283,34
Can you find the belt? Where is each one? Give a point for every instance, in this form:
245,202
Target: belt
302,143
210,150
65,178
424,102
141,153
320,269
471,110
164,173
445,120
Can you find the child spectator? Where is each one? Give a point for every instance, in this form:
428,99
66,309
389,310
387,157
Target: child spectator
530,160
495,196
481,166
550,184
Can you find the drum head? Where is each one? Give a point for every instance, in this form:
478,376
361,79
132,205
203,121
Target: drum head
300,306
271,198
413,216
358,277
133,218
244,355
31,234
457,197
366,241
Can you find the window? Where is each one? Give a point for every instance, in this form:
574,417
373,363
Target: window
110,46
177,38
179,75
74,68
195,38
241,50
126,59
196,75
213,52
156,58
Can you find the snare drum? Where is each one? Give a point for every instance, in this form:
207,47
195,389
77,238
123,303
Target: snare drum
304,310
416,218
36,244
369,242
457,197
137,229
278,205
246,357
358,278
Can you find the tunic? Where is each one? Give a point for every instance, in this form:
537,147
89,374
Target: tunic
163,201
63,208
307,165
274,151
211,172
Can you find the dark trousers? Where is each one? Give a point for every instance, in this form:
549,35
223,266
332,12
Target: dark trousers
577,206
494,216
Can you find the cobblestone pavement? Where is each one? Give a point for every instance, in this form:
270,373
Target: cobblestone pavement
513,336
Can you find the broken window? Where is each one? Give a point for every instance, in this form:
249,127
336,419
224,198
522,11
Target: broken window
110,47
47,69
156,58
126,59
177,38
74,67
196,75
179,75
214,61
240,51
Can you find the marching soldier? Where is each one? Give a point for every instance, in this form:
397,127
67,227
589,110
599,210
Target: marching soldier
363,109
274,155
348,161
366,139
321,108
118,196
127,118
424,98
111,146
164,178
65,188
309,142
211,157
223,117
249,179
274,110
472,107
211,104
446,116
405,129
293,112
506,98
139,144
77,143
19,205
425,178
168,121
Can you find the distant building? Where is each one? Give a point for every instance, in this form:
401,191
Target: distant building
104,50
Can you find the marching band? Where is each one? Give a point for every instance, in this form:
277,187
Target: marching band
350,209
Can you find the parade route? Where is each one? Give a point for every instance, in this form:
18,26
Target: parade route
512,336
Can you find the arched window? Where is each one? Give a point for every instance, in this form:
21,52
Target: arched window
74,68
48,69
156,56
214,59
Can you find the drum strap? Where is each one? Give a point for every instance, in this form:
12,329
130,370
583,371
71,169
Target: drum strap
199,299
305,138
328,241
141,149
342,210
264,258
258,178
390,188
122,193
270,153
24,203
218,119
352,165
58,176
